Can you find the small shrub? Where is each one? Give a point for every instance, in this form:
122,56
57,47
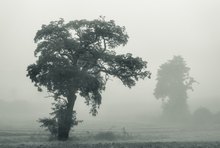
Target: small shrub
50,124
202,116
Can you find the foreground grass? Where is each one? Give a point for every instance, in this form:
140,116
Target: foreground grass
149,138
116,145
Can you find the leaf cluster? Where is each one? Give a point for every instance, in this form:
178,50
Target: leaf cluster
173,79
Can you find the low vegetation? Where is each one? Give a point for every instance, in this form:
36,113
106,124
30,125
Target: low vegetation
154,137
120,145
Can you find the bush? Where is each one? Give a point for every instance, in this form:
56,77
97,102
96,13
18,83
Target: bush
50,124
202,115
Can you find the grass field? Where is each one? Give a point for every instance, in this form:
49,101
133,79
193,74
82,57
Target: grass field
116,145
151,137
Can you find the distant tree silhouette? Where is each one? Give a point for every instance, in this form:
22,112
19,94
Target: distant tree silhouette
77,58
217,117
173,81
202,116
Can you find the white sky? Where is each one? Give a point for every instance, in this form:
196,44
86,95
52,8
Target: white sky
158,29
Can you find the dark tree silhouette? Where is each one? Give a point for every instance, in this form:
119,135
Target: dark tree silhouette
173,81
77,58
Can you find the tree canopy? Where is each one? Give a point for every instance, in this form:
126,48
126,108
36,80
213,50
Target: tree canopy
173,79
77,57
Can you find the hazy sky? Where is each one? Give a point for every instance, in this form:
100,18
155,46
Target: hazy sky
158,29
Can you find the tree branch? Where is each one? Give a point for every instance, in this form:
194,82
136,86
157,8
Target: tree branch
104,45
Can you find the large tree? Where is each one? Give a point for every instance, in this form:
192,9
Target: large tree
77,58
173,81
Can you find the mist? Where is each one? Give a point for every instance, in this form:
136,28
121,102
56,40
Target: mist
158,30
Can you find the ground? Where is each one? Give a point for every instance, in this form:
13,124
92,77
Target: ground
152,137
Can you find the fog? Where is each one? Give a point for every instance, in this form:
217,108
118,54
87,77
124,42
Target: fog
158,30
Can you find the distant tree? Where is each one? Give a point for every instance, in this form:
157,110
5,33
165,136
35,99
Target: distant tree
173,81
217,117
202,116
77,58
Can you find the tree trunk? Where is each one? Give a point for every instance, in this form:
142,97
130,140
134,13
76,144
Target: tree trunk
65,119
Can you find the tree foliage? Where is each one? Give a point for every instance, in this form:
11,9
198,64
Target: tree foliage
77,57
173,81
